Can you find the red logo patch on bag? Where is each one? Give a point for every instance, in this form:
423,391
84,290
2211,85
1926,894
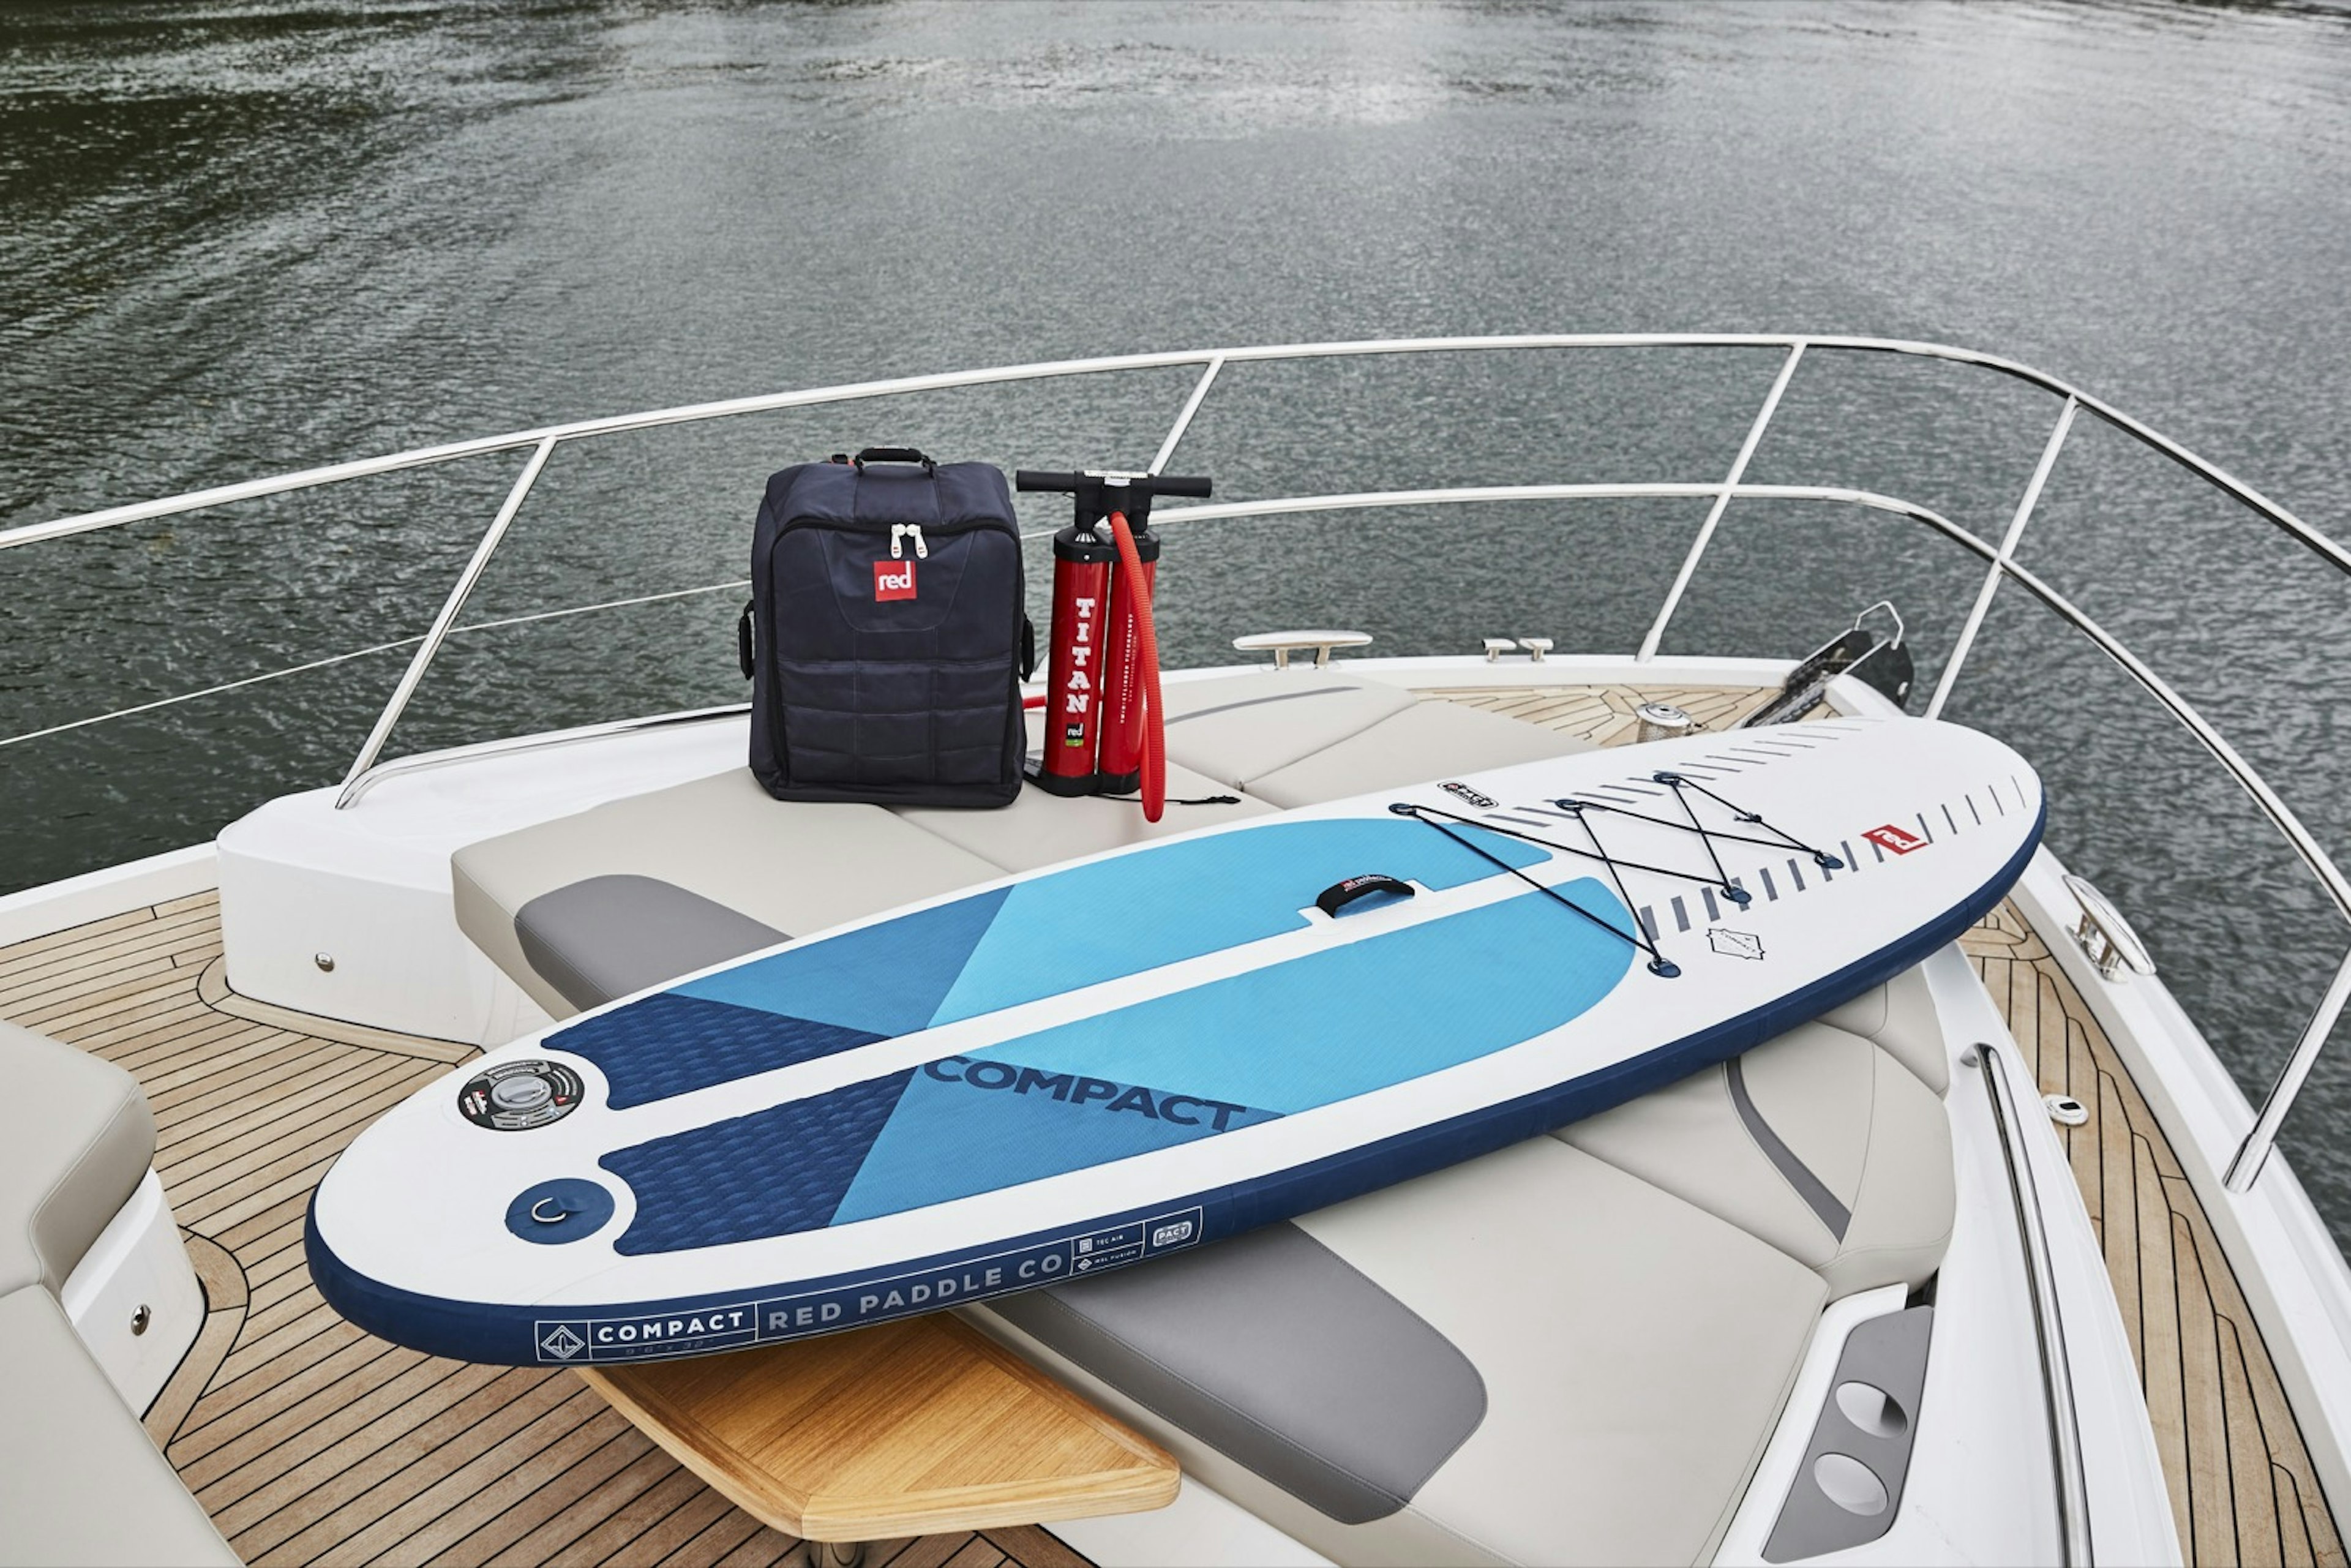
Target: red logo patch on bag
894,579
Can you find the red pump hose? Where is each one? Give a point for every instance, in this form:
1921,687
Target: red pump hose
1147,711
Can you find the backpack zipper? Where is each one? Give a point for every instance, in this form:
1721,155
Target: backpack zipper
898,533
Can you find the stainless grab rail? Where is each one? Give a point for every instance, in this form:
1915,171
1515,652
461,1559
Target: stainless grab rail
196,500
735,584
2048,1319
2250,1155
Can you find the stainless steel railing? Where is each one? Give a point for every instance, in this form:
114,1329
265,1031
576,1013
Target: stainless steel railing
2048,1316
2001,565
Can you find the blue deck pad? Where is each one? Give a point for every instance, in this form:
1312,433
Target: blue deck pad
1288,1038
886,979
1120,916
675,1044
1012,944
768,1174
1361,1016
953,1136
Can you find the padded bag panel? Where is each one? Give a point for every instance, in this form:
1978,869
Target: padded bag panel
891,678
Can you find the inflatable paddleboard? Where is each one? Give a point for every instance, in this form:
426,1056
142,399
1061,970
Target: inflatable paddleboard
1090,1066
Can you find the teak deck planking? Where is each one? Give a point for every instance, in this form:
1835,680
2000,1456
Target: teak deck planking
308,1441
2242,1489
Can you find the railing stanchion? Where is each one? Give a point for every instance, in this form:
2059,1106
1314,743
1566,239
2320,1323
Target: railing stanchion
2000,562
2254,1152
1184,419
1722,502
439,631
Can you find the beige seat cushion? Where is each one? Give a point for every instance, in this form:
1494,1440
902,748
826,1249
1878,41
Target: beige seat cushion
76,1140
79,1482
1432,740
1900,1017
1040,829
1634,1352
1245,727
798,867
1839,1156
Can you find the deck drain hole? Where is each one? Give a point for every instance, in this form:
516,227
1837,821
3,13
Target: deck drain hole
1872,1409
1850,1484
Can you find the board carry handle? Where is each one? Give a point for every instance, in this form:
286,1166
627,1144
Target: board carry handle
1340,894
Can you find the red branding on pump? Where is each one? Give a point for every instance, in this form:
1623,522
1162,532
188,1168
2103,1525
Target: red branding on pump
894,579
1899,840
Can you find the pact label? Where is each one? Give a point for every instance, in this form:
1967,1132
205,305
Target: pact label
699,1328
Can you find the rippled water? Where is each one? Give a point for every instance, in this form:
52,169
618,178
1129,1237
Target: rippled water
236,239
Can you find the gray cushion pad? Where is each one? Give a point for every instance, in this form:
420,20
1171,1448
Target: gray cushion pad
76,1140
609,936
79,1482
1291,1331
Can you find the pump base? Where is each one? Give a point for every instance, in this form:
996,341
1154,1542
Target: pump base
1066,784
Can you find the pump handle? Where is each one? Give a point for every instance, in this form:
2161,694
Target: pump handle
1155,485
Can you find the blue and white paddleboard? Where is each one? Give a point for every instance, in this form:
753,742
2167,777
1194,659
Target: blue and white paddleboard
1093,1065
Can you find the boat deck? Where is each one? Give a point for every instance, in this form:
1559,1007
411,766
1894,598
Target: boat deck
307,1441
2242,1490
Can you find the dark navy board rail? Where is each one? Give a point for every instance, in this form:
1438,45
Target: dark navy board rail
525,1335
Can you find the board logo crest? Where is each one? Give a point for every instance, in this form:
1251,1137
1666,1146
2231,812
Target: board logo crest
1463,792
1894,840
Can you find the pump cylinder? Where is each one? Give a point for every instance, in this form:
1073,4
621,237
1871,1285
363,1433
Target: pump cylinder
1083,565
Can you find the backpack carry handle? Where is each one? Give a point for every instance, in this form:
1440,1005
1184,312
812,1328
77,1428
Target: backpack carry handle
894,454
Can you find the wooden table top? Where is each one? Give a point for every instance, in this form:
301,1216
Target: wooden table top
901,1429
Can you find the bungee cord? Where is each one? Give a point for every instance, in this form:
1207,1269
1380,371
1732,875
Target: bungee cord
1659,963
1577,811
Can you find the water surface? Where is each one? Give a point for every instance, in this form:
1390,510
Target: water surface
236,239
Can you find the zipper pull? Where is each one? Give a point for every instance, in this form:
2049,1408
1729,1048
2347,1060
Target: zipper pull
922,551
897,532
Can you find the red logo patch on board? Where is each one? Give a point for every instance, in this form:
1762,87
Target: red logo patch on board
894,579
1900,841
